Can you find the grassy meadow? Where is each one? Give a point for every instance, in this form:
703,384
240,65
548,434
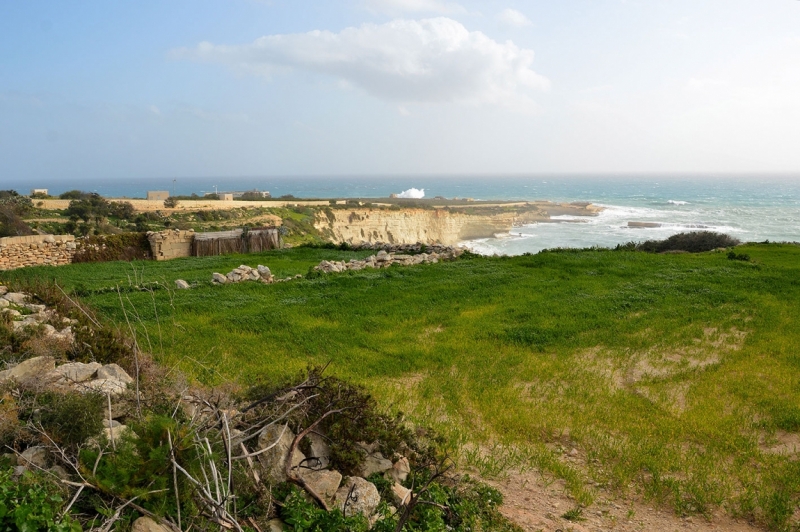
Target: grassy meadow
675,377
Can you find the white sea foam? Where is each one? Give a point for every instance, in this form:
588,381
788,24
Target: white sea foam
677,202
412,193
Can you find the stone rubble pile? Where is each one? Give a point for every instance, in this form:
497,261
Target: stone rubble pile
384,259
246,273
25,315
419,247
108,379
356,495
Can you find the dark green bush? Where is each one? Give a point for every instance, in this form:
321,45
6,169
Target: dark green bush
732,255
694,242
70,418
88,207
104,248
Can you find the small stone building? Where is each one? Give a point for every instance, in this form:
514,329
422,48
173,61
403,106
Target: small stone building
157,195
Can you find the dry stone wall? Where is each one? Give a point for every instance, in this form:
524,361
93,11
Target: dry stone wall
171,244
20,251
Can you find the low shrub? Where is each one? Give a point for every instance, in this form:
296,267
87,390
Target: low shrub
32,503
694,242
68,418
124,246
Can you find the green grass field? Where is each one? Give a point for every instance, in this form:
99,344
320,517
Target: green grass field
676,377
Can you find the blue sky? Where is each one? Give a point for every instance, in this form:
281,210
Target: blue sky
247,87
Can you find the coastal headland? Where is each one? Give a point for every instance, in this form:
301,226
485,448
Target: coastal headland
351,220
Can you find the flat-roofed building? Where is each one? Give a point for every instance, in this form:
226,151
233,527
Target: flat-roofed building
39,191
157,195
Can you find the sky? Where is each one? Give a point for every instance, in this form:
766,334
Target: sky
195,88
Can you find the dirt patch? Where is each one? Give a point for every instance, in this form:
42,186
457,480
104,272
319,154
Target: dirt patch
783,443
537,505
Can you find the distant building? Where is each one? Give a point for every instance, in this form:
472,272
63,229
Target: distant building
157,195
226,197
39,191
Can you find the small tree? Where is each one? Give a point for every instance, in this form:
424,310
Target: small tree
171,202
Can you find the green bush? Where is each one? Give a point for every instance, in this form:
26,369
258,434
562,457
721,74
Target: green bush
694,242
71,418
304,516
104,248
32,503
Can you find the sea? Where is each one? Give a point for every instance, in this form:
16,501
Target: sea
750,207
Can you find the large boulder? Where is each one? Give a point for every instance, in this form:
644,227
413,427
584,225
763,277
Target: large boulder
320,457
400,470
273,462
105,386
114,371
218,278
180,284
145,524
18,298
30,369
357,496
74,372
34,457
324,483
375,463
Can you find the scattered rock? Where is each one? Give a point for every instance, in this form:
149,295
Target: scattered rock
34,457
145,524
324,483
275,525
110,423
274,461
375,463
400,470
105,386
357,496
4,303
400,494
114,371
180,284
74,372
18,298
218,278
320,452
59,471
29,369
3,290
386,257
113,434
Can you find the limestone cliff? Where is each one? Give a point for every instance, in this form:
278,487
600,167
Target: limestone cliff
434,226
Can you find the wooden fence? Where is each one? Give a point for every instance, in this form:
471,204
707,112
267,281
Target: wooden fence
236,241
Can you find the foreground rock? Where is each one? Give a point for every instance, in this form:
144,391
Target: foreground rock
145,524
92,377
357,496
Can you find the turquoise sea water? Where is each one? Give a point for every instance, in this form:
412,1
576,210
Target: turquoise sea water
749,207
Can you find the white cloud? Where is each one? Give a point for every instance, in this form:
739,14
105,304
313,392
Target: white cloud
513,18
413,6
427,61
